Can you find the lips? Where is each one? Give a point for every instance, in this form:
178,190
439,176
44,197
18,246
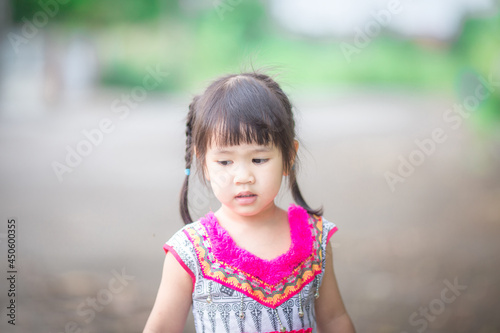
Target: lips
246,198
246,194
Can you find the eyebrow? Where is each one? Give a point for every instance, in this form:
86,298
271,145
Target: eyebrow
226,151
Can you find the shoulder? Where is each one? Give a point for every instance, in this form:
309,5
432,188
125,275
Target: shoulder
182,237
298,213
182,246
323,228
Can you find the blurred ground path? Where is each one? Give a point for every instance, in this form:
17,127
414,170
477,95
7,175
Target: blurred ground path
112,213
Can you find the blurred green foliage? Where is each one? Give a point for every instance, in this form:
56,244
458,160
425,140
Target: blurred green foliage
196,41
478,48
93,12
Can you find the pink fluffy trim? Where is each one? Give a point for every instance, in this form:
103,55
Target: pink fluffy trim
271,271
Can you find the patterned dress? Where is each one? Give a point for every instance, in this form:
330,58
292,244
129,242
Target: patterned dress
236,291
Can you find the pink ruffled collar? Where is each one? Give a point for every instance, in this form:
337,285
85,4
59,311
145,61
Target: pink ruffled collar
271,271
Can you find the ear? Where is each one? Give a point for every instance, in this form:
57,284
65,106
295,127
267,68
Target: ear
296,145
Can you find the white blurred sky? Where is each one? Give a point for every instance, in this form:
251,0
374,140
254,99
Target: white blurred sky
439,19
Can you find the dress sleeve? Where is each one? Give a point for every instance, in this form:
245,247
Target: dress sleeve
329,228
182,249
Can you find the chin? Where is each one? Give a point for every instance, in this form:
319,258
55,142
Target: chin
247,211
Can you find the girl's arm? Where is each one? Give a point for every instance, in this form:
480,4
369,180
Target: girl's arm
331,315
173,300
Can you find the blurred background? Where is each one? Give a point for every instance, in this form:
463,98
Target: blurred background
398,111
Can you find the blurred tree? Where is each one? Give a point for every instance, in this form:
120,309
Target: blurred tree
478,49
94,12
195,41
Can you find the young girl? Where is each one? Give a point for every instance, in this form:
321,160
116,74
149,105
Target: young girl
250,266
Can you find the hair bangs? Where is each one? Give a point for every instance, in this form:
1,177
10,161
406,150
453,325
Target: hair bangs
246,113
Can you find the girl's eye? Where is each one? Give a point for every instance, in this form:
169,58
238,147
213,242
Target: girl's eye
224,163
260,160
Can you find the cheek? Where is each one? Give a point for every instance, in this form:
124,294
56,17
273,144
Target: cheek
219,179
274,177
278,181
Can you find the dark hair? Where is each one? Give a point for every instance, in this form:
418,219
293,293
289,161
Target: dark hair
237,109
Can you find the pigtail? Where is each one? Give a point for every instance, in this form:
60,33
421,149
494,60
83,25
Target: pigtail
297,195
188,157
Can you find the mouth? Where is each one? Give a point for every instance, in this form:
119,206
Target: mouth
246,198
245,194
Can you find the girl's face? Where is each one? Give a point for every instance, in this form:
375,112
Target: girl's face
245,178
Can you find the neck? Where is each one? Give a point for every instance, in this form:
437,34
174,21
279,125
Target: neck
266,216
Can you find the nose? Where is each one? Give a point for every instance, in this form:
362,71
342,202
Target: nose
243,175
